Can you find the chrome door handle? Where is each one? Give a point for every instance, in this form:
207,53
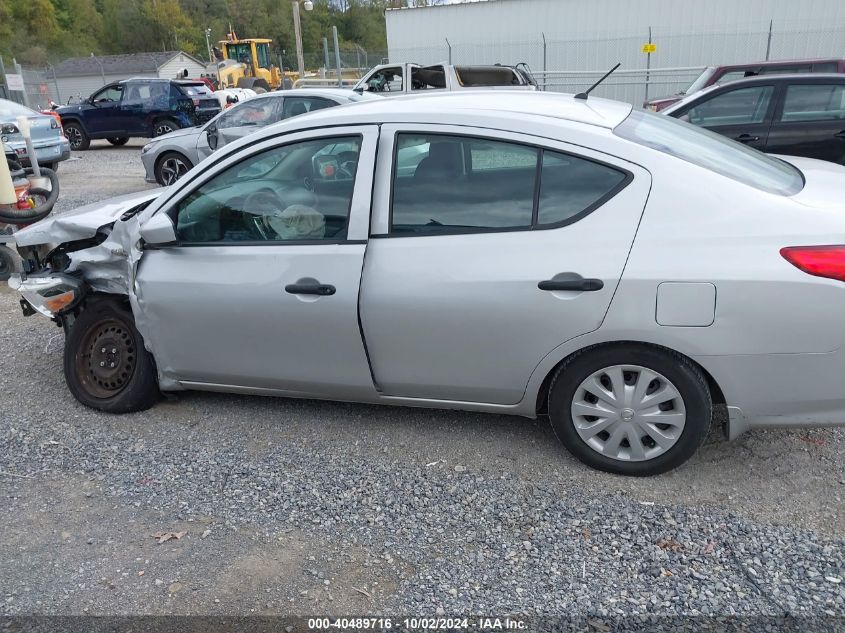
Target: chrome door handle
322,290
579,285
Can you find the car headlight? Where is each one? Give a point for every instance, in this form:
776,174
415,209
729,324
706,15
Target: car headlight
50,295
147,147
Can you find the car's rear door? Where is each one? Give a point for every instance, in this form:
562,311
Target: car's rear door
261,291
489,249
810,121
742,113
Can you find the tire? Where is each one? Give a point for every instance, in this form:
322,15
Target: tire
131,385
171,167
53,166
165,126
75,133
8,263
623,442
117,141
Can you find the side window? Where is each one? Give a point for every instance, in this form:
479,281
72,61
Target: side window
785,70
255,113
736,107
386,80
110,94
300,191
814,102
826,67
733,76
428,78
454,184
295,106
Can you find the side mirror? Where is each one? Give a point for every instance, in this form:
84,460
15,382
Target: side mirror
359,90
159,230
211,137
231,99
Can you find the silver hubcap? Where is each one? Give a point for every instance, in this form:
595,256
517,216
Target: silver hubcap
629,413
163,129
172,169
75,136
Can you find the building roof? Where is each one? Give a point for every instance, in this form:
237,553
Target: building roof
132,63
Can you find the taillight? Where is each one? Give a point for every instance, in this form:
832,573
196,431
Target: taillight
821,261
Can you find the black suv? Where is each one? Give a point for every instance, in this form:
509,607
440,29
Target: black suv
137,107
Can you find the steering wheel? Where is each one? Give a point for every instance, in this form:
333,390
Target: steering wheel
257,206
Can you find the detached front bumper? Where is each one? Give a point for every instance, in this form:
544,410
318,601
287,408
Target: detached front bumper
49,294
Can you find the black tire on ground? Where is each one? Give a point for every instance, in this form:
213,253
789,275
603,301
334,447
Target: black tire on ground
74,133
117,141
121,379
170,167
8,263
687,378
165,126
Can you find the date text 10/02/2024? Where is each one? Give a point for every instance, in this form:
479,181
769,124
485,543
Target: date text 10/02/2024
426,624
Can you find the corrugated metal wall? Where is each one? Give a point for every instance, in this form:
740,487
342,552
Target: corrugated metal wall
588,35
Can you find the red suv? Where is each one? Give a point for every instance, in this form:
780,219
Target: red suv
724,74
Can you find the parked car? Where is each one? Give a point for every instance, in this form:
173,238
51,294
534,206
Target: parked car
137,107
51,147
799,115
724,74
619,270
169,157
391,79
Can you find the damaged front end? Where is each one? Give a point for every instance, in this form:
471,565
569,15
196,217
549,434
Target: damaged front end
69,256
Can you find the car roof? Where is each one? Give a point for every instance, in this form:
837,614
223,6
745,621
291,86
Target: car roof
504,104
309,92
783,62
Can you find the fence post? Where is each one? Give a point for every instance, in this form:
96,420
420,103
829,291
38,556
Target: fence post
450,49
544,61
647,66
5,92
326,52
337,56
769,41
56,84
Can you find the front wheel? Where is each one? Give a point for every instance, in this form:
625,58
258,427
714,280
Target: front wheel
7,263
171,167
630,409
76,136
117,141
106,365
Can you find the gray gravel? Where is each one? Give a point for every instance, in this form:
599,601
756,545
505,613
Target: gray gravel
311,507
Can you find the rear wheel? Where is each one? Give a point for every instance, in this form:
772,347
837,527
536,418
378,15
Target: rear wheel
117,141
106,365
171,167
165,126
77,137
630,409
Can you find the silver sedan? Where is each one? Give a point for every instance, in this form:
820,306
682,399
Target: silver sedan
49,143
169,157
622,272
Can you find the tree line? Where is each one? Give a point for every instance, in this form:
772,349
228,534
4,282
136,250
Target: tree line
39,32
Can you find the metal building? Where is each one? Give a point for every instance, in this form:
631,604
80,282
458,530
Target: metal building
573,41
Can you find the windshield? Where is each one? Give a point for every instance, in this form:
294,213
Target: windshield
12,109
263,53
195,90
711,151
701,81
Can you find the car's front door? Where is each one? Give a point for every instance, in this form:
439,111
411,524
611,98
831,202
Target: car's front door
743,114
810,122
103,114
248,117
261,289
489,250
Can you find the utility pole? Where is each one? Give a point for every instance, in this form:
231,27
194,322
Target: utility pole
297,30
208,45
337,56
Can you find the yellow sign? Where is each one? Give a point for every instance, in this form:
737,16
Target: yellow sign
649,48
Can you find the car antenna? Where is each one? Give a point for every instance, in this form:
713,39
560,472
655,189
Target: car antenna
586,93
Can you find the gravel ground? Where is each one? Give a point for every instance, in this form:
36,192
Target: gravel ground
306,507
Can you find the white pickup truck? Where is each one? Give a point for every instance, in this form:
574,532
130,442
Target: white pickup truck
397,79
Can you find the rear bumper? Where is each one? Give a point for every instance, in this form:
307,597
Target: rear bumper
52,152
781,390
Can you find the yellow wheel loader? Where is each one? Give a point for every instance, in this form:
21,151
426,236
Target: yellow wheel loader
245,63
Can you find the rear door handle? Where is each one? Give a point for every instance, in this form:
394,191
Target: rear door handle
579,285
322,290
747,138
840,134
